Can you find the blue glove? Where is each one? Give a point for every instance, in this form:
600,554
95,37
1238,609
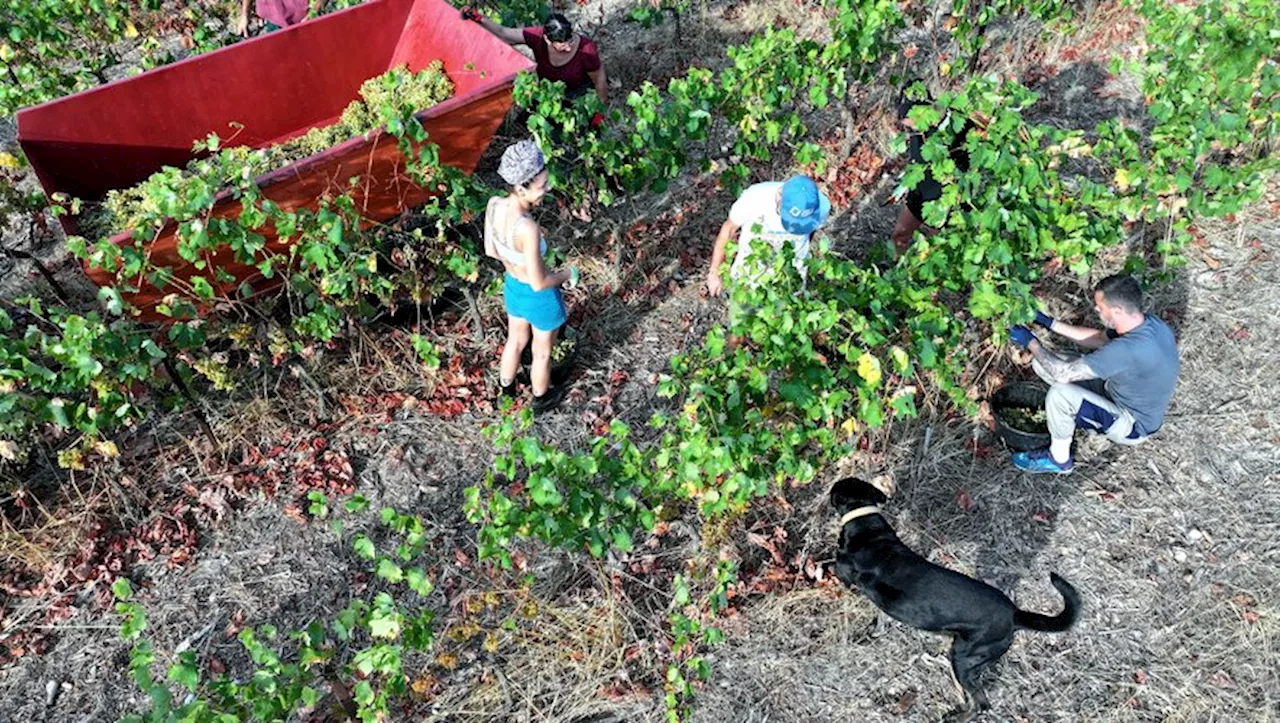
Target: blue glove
1021,336
1044,319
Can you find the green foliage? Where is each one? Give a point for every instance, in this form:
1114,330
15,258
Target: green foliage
828,354
690,630
53,47
970,19
1012,211
749,109
1212,87
426,351
823,361
72,374
78,377
365,643
592,500
338,266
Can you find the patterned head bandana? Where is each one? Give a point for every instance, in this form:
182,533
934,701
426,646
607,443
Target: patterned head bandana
521,162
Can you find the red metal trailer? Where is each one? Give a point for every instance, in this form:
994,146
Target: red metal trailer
277,86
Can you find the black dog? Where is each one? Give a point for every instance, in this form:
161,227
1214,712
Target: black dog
909,588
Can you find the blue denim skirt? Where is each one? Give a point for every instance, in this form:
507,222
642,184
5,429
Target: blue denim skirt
544,310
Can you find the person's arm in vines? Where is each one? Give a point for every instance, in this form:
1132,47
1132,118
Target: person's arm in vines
539,279
601,83
510,36
714,283
1082,335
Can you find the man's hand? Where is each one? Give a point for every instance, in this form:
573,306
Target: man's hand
469,13
1021,336
714,283
241,26
1044,319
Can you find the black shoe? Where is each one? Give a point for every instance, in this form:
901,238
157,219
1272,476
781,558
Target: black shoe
550,400
508,391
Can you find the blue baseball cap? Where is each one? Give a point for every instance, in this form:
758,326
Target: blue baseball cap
804,207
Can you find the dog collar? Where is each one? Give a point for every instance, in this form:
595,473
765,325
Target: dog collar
859,512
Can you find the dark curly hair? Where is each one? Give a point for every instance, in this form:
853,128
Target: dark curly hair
558,29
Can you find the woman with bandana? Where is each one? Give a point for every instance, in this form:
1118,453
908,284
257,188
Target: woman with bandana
531,291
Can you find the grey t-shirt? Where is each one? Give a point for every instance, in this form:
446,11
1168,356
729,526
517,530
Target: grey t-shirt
1141,369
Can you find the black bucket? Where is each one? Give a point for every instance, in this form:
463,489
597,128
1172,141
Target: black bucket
1020,395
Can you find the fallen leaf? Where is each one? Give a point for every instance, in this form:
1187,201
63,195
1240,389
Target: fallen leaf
448,661
1140,677
767,544
905,701
965,501
1222,680
813,569
1041,517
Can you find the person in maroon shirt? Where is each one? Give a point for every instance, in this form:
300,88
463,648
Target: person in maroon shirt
277,13
561,54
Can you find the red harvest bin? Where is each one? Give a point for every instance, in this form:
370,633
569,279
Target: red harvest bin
278,86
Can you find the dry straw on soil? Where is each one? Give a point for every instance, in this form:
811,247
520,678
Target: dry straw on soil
1172,544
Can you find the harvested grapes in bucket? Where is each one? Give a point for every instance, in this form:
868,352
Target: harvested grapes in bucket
1028,421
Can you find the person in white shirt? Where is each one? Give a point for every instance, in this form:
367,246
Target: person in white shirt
774,212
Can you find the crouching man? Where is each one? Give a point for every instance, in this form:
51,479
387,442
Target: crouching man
1120,389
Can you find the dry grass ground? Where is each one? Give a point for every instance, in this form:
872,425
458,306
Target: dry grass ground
1173,544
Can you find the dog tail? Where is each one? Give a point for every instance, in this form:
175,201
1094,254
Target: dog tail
1056,623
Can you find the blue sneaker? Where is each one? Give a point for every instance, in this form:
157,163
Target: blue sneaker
1040,461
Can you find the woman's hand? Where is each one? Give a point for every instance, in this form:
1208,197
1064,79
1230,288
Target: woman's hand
714,283
241,26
